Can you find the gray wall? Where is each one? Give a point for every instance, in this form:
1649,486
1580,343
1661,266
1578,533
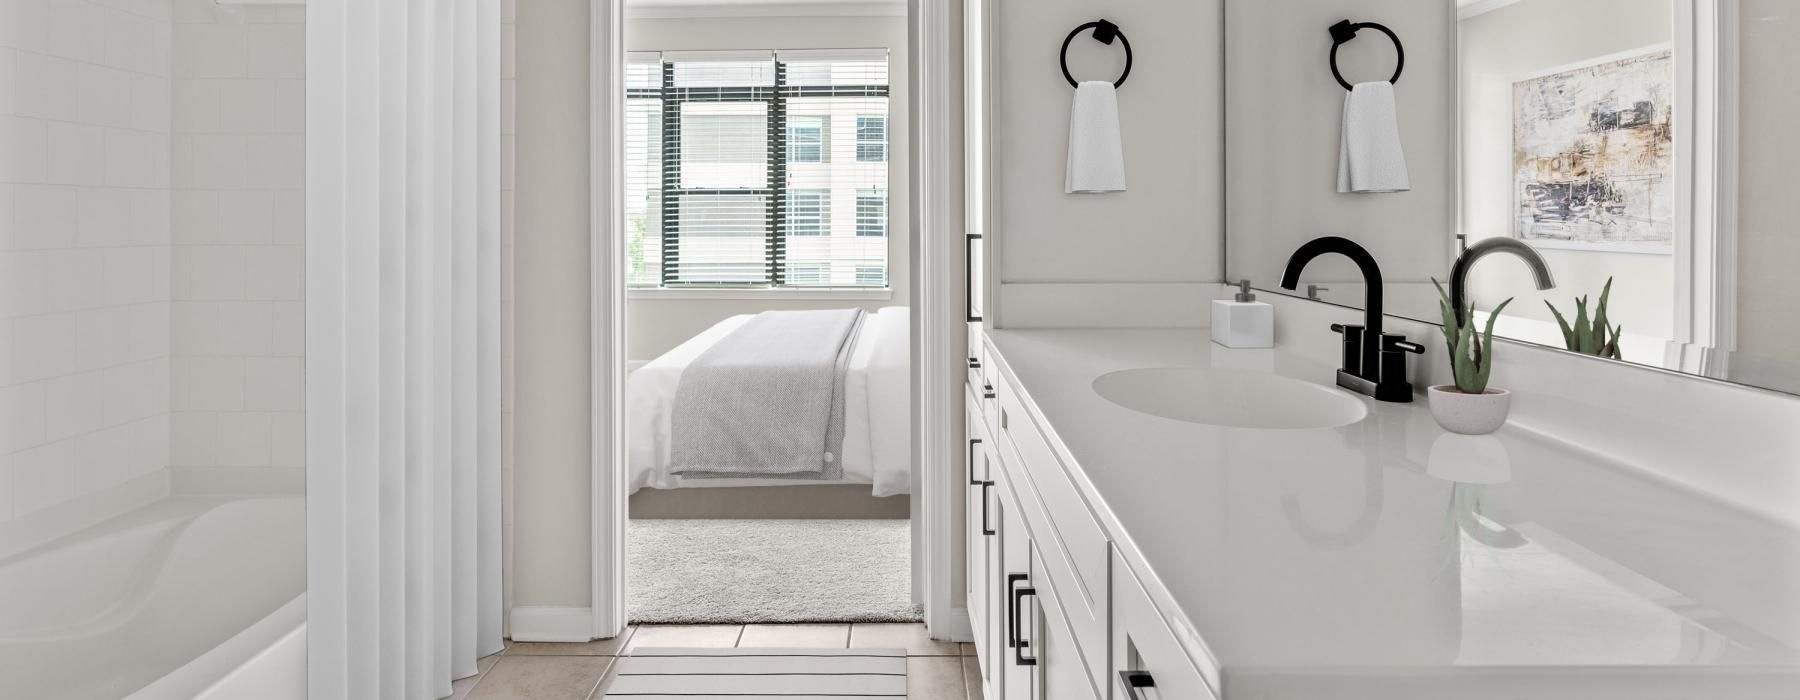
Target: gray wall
1166,226
551,479
1768,211
1284,113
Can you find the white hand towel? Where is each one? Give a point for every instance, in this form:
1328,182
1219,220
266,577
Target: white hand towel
1096,158
1370,159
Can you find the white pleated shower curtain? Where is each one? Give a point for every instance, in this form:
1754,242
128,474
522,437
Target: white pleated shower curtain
402,345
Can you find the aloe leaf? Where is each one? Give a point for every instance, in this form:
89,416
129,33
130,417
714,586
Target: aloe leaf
1568,333
1449,327
1464,363
1485,366
1584,329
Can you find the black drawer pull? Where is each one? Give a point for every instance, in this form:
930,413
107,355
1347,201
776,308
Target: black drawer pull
1132,680
986,528
972,443
1019,656
1012,609
987,391
974,363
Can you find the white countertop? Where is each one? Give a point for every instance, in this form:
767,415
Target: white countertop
1314,563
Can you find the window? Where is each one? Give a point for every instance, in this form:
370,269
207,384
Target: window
808,212
871,138
806,139
751,169
871,212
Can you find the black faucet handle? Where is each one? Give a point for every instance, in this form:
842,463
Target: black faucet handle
1346,329
1392,342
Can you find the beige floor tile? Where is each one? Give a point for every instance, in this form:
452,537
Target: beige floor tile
601,647
934,678
796,636
911,637
972,677
708,636
486,663
461,688
965,648
542,678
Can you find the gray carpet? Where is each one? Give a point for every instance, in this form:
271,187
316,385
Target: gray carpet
759,571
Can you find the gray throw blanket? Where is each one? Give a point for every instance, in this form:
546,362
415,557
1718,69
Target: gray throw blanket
767,400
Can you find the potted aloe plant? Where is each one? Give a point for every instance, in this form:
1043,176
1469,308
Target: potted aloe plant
1469,406
1590,337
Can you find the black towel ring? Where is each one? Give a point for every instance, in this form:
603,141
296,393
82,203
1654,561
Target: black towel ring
1344,31
1104,32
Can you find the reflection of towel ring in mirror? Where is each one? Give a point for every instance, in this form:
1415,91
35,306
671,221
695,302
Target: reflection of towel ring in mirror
1104,32
1344,31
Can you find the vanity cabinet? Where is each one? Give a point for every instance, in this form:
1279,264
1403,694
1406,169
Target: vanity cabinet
1056,612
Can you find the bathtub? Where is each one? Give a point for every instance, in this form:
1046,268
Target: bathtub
190,597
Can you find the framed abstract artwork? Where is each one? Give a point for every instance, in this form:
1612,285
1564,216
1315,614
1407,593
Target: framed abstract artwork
1593,154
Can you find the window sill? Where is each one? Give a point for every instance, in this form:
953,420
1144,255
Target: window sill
823,294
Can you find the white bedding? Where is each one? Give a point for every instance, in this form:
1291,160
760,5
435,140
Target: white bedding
878,399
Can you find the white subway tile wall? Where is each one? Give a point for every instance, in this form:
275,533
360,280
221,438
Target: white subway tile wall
85,263
151,242
237,259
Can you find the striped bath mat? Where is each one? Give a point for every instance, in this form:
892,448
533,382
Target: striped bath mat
698,674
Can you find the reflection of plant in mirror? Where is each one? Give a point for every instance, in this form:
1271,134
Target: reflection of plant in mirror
1471,355
1594,337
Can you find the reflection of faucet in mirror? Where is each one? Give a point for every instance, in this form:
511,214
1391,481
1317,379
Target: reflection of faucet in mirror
1459,273
1374,362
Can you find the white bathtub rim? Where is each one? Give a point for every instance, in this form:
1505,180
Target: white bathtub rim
268,642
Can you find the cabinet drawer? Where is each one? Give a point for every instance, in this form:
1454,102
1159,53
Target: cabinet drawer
1074,547
1144,645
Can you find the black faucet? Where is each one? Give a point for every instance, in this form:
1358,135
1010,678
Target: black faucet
1374,362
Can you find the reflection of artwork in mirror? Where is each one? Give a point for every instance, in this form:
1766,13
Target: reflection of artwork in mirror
1593,155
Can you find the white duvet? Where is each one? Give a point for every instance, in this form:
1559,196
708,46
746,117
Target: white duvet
877,421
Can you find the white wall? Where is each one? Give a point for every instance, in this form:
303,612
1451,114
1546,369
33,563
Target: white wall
237,224
1166,226
655,325
1498,48
551,476
1285,114
1768,211
84,252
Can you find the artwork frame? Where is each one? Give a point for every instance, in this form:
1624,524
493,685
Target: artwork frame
1571,187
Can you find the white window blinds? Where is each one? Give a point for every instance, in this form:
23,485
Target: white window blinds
757,169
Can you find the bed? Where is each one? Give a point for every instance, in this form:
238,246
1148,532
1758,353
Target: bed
876,448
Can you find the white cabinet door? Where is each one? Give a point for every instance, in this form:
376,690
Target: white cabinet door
982,563
1062,668
1018,670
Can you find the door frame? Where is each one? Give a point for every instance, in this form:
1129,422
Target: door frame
936,325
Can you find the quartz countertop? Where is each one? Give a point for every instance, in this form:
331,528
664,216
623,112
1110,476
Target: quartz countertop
1392,559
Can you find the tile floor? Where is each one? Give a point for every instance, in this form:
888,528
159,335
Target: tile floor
536,671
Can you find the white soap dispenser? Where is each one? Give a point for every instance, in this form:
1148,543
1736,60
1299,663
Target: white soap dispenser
1243,322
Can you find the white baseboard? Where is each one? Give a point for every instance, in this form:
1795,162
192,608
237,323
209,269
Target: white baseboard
961,629
551,623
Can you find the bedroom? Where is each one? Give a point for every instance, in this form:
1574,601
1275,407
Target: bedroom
766,263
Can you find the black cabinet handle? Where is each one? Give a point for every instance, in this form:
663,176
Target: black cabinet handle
1019,656
987,391
972,443
974,363
1132,680
1012,609
969,274
986,528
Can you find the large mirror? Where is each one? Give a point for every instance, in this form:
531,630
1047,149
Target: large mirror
1648,144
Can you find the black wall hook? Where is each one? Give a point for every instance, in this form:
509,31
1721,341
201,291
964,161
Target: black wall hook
1104,32
1345,30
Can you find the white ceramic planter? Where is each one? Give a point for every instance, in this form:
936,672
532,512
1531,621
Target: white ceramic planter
1469,414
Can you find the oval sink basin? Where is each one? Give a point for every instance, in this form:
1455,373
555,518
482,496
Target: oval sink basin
1230,399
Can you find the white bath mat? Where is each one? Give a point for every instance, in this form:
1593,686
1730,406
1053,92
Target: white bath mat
745,571
671,673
